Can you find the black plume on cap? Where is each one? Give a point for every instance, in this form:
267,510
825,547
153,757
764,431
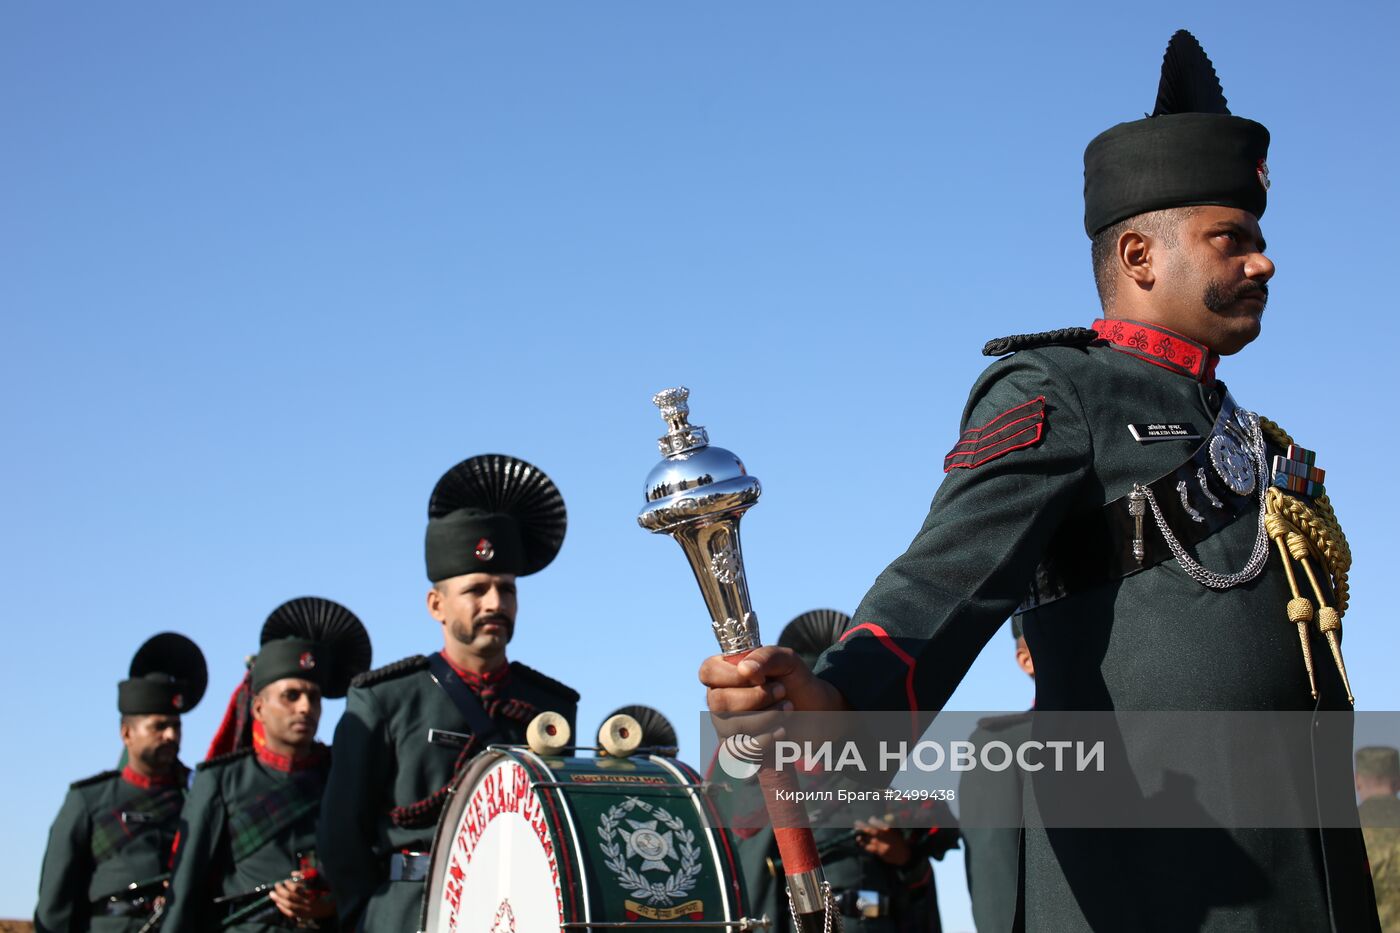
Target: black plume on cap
1189,83
493,514
657,731
314,639
813,632
167,676
1191,151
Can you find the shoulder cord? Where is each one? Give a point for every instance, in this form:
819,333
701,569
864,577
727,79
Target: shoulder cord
1300,532
1306,533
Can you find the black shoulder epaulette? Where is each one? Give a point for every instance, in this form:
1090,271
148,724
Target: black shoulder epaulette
1064,337
544,682
417,662
95,779
224,759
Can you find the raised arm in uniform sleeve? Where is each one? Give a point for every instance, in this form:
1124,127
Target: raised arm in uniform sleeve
191,908
1014,474
361,770
68,867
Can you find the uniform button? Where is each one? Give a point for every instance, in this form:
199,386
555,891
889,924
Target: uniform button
1212,398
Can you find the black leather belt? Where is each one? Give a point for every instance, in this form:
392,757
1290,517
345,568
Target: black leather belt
120,907
409,866
1097,547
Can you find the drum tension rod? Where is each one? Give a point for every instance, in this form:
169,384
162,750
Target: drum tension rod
748,923
612,787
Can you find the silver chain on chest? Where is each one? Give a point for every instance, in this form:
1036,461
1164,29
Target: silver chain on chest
1257,558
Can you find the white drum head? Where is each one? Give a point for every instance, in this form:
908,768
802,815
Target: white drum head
501,874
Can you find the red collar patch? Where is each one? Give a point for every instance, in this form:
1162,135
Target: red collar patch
476,681
284,763
137,779
1160,347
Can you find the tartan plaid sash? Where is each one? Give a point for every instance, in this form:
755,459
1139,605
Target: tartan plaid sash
156,809
269,815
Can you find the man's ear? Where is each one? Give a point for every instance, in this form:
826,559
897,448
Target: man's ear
126,730
257,706
1136,254
1023,657
435,604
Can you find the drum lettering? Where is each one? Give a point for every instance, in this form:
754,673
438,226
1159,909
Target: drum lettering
498,796
453,892
473,824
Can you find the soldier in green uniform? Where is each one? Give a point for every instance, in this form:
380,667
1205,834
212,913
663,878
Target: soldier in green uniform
109,849
1179,551
1377,784
247,855
986,799
881,875
410,727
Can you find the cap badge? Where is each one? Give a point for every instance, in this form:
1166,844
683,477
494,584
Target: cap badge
1263,171
178,701
485,550
307,661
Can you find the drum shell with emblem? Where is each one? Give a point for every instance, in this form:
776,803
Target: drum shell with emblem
529,843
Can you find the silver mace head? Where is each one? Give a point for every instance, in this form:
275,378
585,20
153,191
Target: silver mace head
697,494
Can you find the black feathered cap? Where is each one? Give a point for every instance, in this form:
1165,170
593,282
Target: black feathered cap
167,677
813,632
493,514
313,639
1190,151
657,731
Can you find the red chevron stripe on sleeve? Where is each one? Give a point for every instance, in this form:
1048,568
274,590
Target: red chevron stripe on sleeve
1011,430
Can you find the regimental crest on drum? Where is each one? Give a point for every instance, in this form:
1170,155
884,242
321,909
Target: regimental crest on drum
655,859
504,921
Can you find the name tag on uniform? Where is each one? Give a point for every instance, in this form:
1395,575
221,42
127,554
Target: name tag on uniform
136,817
450,739
1163,431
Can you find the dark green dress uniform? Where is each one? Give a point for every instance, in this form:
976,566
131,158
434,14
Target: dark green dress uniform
250,821
1035,511
992,855
110,846
1152,640
411,727
115,829
251,817
398,746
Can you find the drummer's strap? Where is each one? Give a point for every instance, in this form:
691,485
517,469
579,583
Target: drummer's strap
483,727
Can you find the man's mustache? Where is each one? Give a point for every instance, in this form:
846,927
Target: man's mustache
1252,289
496,618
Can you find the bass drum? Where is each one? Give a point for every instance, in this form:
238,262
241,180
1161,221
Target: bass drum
532,844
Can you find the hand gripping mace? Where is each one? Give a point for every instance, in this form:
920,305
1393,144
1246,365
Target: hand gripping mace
697,494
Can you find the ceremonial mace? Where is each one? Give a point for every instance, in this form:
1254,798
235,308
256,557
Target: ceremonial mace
697,494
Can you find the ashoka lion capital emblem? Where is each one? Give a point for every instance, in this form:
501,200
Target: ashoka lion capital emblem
724,562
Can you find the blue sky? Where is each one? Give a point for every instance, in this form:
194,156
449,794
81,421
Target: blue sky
271,268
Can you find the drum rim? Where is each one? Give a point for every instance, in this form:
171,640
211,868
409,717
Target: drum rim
729,883
457,802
